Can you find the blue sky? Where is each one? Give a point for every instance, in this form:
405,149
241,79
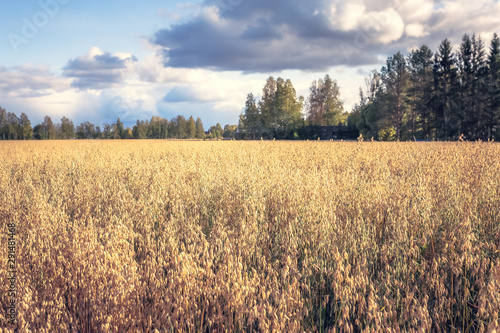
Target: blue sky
99,60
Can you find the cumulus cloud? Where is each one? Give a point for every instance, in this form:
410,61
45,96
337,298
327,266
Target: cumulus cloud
416,30
414,10
383,26
454,18
98,69
30,81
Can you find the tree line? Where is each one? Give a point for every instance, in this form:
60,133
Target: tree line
445,95
13,127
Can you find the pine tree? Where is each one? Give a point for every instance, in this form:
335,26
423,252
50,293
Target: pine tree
420,64
472,96
395,77
466,87
478,118
446,91
492,109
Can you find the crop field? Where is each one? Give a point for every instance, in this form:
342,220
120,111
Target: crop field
228,236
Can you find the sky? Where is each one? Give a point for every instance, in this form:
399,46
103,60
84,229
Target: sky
99,60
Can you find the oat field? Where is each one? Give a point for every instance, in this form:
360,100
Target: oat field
165,236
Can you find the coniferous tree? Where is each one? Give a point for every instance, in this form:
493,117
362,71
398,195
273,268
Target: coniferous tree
472,96
420,63
446,91
466,94
492,108
479,89
395,78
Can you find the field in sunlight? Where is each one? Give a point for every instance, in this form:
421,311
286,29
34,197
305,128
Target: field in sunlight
249,236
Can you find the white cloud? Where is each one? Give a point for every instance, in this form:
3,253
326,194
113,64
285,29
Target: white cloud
382,26
457,17
414,10
349,16
416,30
385,26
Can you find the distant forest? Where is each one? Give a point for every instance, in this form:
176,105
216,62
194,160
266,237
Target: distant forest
446,95
19,128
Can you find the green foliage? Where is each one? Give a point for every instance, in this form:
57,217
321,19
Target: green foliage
216,132
230,131
277,115
66,130
434,96
368,120
191,128
118,129
200,131
251,121
387,133
325,107
395,77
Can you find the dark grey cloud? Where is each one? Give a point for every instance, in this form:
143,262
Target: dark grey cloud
97,70
269,36
263,29
262,36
